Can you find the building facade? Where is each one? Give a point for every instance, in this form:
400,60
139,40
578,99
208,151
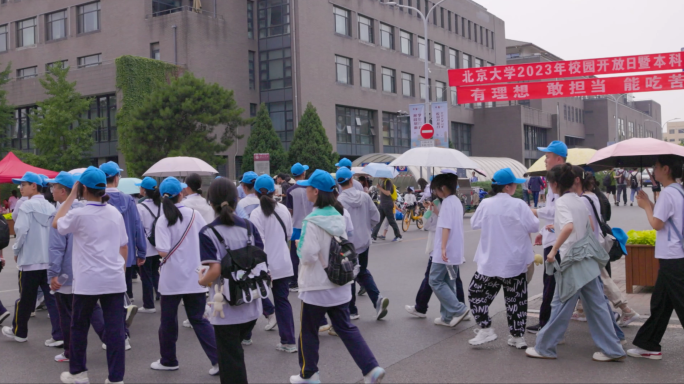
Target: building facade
674,132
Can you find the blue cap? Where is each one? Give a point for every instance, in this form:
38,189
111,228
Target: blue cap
110,168
44,179
343,175
64,178
622,238
29,177
557,147
93,178
321,180
171,186
147,183
76,176
505,176
249,177
298,169
264,182
344,163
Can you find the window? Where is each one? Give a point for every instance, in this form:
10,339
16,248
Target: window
475,31
439,54
407,84
282,118
487,37
396,132
535,137
250,19
461,137
389,80
55,25
274,18
275,69
478,63
680,131
492,39
366,29
466,61
456,23
440,91
154,51
89,17
26,33
406,43
422,88
441,17
454,96
386,36
355,126
252,109
481,36
27,73
20,134
672,131
90,61
421,48
630,129
3,38
470,30
252,77
449,20
341,21
62,63
453,58
367,75
165,7
104,107
463,26
343,65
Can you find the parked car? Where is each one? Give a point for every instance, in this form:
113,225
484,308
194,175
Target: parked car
646,179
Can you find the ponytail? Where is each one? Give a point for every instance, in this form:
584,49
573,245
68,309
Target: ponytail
227,214
338,206
154,195
194,181
222,196
171,212
562,175
266,202
496,189
101,193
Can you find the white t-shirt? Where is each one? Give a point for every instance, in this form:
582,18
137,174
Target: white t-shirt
547,214
199,203
669,205
571,209
99,232
147,220
590,210
178,275
450,217
410,198
505,248
279,261
249,203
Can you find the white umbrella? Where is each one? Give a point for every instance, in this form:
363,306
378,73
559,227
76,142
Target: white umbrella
434,157
77,170
180,166
380,170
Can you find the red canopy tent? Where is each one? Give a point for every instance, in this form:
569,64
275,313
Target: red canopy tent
13,168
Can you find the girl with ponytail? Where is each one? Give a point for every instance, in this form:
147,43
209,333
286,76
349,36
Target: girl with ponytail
149,210
193,197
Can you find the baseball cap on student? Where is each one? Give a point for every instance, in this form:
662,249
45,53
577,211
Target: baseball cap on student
321,180
63,178
93,178
147,183
557,147
171,186
343,175
110,168
264,182
298,169
249,177
344,163
29,177
505,176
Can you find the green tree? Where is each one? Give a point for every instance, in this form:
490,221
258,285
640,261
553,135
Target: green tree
264,139
310,145
62,136
179,119
6,110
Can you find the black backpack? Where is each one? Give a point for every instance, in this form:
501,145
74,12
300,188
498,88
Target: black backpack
341,261
606,210
4,233
607,180
151,237
634,183
615,251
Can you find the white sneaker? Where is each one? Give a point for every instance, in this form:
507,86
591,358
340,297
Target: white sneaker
412,310
289,348
272,323
157,366
131,310
33,314
531,352
579,316
147,310
601,357
186,324
518,342
354,317
53,343
113,382
324,328
127,346
483,335
247,342
79,378
627,318
381,310
61,358
374,376
638,352
332,332
214,370
297,379
439,321
454,322
7,332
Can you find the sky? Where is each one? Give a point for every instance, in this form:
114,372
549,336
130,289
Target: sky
585,29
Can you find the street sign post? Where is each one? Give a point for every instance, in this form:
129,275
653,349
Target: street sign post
427,131
262,164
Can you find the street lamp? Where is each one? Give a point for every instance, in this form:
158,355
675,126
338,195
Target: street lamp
616,99
662,126
426,19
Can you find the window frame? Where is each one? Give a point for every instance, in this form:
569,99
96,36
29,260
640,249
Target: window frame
406,36
424,51
20,32
389,75
82,58
370,68
349,74
440,85
81,16
346,14
5,36
273,29
154,53
453,65
369,25
389,31
250,19
65,64
251,66
411,80
439,53
21,75
266,61
49,23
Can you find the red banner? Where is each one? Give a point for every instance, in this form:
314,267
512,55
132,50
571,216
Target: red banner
571,88
565,69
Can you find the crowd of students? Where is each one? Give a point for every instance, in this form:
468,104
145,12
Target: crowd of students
223,256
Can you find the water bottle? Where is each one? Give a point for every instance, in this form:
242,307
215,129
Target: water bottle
61,279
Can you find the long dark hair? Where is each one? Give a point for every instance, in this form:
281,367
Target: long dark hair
266,202
222,196
562,175
587,179
194,181
672,162
448,180
154,195
496,189
325,199
171,212
101,193
338,206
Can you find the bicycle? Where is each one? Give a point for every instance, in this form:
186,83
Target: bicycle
410,215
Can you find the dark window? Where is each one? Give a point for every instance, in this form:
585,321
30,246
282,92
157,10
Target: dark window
367,77
470,30
535,137
252,109
453,58
90,61
343,70
434,15
481,36
456,23
466,61
274,18
56,25
250,19
454,96
407,84
492,40
427,6
410,11
105,108
461,137
355,126
475,31
440,91
342,21
154,51
487,36
62,63
251,65
386,36
406,42
20,134
441,17
4,44
27,73
366,29
26,32
439,53
565,112
449,20
396,132
164,7
389,80
275,69
89,17
463,26
282,118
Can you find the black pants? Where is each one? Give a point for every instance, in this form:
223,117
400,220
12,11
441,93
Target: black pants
149,276
621,189
231,356
483,291
129,282
29,284
549,290
668,296
388,213
365,279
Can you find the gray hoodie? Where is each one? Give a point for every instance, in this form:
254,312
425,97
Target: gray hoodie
364,215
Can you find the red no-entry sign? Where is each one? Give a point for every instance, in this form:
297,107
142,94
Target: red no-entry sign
427,131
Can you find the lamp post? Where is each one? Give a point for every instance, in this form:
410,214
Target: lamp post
662,126
616,99
426,21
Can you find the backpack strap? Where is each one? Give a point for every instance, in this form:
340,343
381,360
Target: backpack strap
185,234
150,211
281,224
598,217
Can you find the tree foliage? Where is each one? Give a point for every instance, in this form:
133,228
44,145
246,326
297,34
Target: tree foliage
310,145
264,139
63,137
179,119
6,110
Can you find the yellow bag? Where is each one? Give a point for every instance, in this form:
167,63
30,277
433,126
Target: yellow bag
394,193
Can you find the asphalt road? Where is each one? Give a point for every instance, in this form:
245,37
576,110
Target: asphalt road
410,349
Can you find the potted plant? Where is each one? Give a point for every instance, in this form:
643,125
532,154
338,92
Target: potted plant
641,266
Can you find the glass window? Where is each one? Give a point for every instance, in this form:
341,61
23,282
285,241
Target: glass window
440,91
461,137
90,61
26,32
62,63
282,118
389,81
354,126
250,19
449,20
441,17
453,58
478,63
465,61
275,69
20,132
366,29
407,84
680,131
55,24
26,73
367,75
343,65
386,36
534,137
454,96
154,51
3,38
421,48
165,7
341,21
481,36
492,39
89,17
406,42
470,30
439,54
252,109
396,131
252,76
422,88
487,37
274,18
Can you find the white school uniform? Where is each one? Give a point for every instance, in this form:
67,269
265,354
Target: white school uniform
547,214
450,217
199,204
273,235
590,210
570,209
178,275
147,220
99,232
249,203
669,205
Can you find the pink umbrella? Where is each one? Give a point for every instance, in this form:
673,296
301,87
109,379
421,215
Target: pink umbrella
634,153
